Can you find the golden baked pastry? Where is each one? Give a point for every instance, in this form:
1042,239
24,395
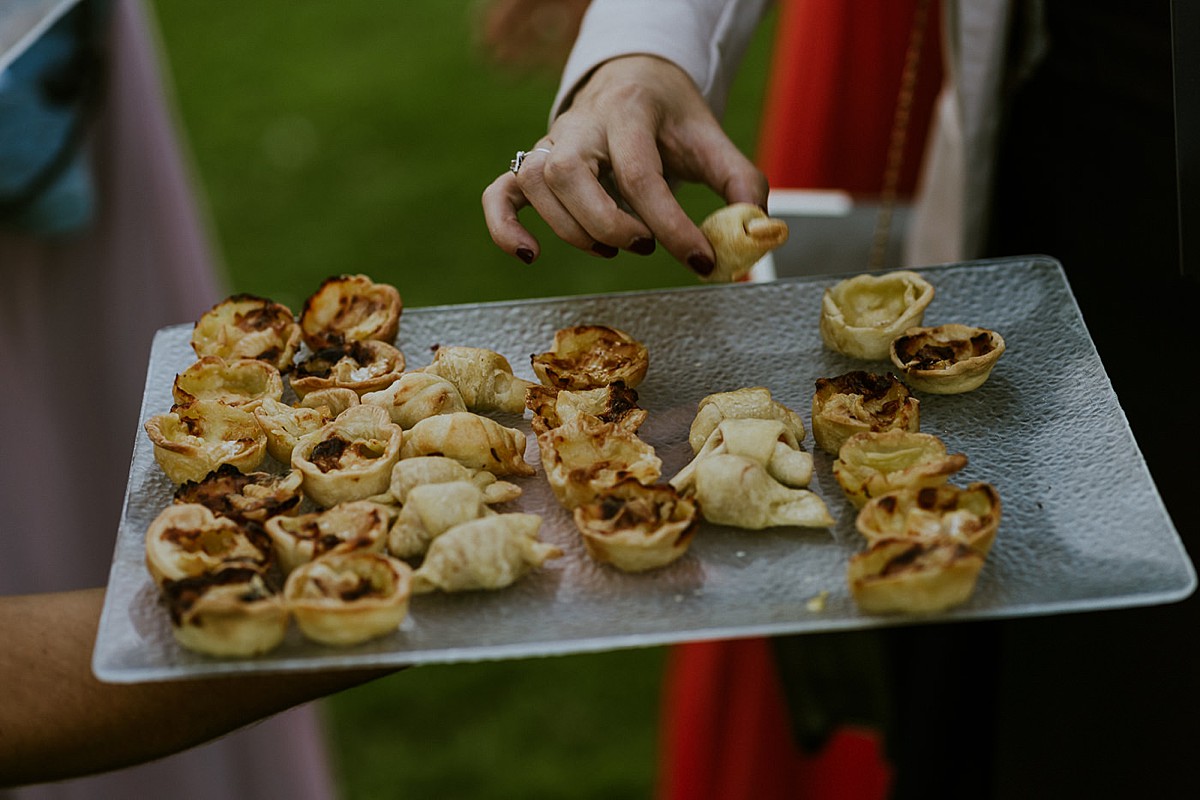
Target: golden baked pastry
487,553
430,510
420,470
244,382
947,359
187,539
636,527
873,463
349,458
969,516
331,401
585,457
484,378
752,402
861,401
615,403
350,308
232,612
913,576
246,326
861,315
591,357
415,396
285,425
349,597
242,496
365,366
737,491
355,525
193,440
472,440
767,441
740,234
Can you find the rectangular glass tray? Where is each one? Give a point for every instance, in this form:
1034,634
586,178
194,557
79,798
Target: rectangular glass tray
1083,526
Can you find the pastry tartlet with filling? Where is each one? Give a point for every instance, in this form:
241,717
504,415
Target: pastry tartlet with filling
366,366
615,403
243,382
873,463
909,576
230,613
767,441
740,235
285,425
636,527
186,540
350,308
355,525
350,597
484,378
737,491
193,440
583,458
947,359
861,401
967,515
472,440
416,396
349,458
247,326
861,315
244,496
420,470
591,357
751,402
430,510
487,553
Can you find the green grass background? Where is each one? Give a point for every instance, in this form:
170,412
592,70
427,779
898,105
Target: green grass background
357,136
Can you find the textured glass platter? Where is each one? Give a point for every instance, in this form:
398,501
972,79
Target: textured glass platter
1083,526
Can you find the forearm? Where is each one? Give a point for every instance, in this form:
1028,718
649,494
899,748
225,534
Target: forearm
58,721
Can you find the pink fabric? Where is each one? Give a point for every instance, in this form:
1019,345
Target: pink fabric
76,321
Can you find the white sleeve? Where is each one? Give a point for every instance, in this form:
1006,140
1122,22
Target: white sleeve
706,38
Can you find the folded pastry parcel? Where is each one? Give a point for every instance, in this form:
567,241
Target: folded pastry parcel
415,471
740,234
345,598
861,401
350,308
591,357
483,377
247,326
737,491
487,553
415,396
767,441
861,315
751,402
430,510
473,440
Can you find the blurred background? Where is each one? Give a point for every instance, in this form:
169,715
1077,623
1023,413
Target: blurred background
358,136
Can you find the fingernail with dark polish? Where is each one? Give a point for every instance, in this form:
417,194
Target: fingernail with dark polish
701,265
642,245
525,254
606,250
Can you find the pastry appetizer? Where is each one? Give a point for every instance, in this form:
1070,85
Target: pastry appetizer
585,457
484,378
430,510
861,401
474,441
350,458
948,359
738,491
356,525
873,463
415,396
488,553
193,440
350,308
244,496
968,516
754,402
350,597
591,357
333,401
767,441
365,366
636,527
245,326
861,315
420,470
910,576
740,235
244,382
614,403
187,540
285,425
230,613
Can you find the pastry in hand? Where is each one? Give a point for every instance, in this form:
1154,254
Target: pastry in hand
911,576
767,441
968,515
591,357
473,440
416,396
584,457
751,402
636,527
861,315
740,235
243,382
193,440
861,401
187,539
244,496
615,403
232,612
737,491
947,359
484,378
349,458
350,308
416,471
246,326
354,525
346,598
487,553
430,510
873,463
366,366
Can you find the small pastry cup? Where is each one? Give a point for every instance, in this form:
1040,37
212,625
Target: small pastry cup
909,576
969,516
861,401
350,308
947,359
861,315
345,598
873,463
591,357
636,527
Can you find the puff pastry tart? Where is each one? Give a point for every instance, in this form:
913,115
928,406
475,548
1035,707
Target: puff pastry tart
913,577
873,463
350,308
487,553
421,470
244,382
767,441
350,458
193,440
186,540
615,403
366,366
591,357
355,525
947,359
861,401
969,516
285,425
484,378
473,440
350,597
230,613
861,315
752,402
331,401
415,396
740,235
430,510
244,496
737,491
246,326
636,527
583,458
